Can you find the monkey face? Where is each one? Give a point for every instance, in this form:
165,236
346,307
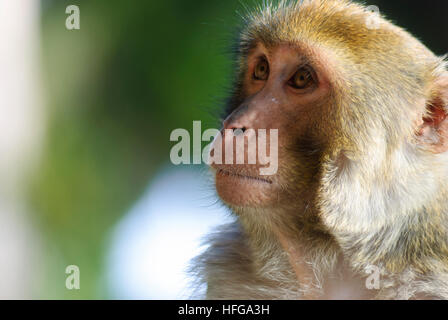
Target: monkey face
283,89
346,116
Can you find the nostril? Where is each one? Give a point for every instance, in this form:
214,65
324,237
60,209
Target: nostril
234,120
238,131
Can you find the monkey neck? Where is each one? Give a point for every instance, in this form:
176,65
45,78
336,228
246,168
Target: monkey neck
338,282
297,258
302,251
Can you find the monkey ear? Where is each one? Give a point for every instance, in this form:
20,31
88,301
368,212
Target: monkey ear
433,131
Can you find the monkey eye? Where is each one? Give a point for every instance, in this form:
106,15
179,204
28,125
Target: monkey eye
302,79
261,71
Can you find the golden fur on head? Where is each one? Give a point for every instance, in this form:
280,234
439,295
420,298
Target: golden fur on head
385,55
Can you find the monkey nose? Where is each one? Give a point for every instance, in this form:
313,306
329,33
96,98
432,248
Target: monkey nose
238,131
229,132
235,130
237,127
235,120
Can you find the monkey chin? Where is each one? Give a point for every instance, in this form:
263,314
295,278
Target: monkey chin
238,189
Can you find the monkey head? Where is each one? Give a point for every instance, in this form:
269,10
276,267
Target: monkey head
360,113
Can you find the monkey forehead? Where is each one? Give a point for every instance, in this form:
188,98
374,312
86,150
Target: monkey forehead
325,21
342,26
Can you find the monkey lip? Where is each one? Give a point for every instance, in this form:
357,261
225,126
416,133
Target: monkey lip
226,173
242,187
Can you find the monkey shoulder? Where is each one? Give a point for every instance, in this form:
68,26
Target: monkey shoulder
227,267
225,263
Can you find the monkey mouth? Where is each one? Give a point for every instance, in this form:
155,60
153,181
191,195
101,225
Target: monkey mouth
242,187
226,173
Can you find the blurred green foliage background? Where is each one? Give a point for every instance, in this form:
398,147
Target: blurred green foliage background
115,89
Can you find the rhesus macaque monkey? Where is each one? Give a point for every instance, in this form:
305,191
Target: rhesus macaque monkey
362,180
